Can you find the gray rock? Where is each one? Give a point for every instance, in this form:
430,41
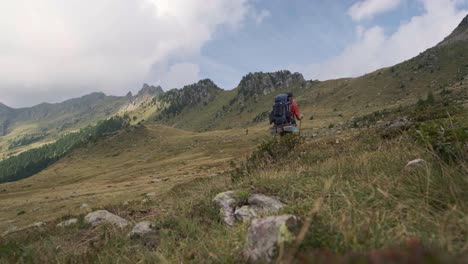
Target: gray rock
150,195
415,164
245,213
266,235
226,203
69,222
258,204
38,224
103,216
396,126
141,229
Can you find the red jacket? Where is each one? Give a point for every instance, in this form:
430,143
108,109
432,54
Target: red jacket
294,110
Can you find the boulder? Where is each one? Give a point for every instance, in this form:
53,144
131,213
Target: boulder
141,229
395,127
258,204
150,195
226,202
38,225
415,164
69,222
103,216
266,235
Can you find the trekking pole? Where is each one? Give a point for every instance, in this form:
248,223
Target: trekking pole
300,127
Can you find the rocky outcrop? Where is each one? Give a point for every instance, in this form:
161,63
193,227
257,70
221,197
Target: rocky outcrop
177,100
103,216
232,209
256,84
459,34
266,235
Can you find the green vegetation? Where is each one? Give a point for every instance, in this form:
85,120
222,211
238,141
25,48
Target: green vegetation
25,140
32,161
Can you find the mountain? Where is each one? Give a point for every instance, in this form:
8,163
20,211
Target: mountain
459,34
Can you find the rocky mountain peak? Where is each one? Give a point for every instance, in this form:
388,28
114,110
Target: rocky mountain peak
459,34
259,83
149,90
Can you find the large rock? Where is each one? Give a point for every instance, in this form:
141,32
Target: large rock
226,203
141,229
266,235
258,204
103,216
395,127
68,222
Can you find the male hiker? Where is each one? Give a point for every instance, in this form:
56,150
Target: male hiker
294,109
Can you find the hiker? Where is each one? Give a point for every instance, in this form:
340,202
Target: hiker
294,109
284,114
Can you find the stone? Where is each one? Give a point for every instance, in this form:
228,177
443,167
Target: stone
415,164
68,222
38,225
150,195
266,235
396,126
226,203
258,204
85,208
144,201
103,216
141,229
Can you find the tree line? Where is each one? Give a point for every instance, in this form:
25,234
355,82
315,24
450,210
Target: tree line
35,160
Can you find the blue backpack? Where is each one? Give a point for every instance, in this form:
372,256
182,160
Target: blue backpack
280,114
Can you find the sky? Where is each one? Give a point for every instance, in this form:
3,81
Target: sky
52,50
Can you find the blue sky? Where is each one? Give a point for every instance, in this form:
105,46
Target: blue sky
52,50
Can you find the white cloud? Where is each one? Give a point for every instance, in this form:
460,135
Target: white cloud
375,49
261,16
366,9
109,45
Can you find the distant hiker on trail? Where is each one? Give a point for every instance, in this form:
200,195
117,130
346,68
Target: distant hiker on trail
284,114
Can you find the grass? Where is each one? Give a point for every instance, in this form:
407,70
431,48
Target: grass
352,188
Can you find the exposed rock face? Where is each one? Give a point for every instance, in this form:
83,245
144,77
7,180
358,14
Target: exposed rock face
266,235
150,91
69,222
101,216
459,34
141,229
415,164
198,94
257,204
259,83
226,202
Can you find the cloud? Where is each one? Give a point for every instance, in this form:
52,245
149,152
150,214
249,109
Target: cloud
78,46
375,49
262,15
366,9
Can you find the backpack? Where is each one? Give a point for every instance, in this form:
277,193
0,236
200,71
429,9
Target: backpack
280,114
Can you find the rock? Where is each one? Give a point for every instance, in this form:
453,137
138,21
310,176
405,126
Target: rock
85,208
265,236
101,216
126,203
226,203
245,213
141,229
38,225
395,127
258,204
415,164
150,195
69,222
144,201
